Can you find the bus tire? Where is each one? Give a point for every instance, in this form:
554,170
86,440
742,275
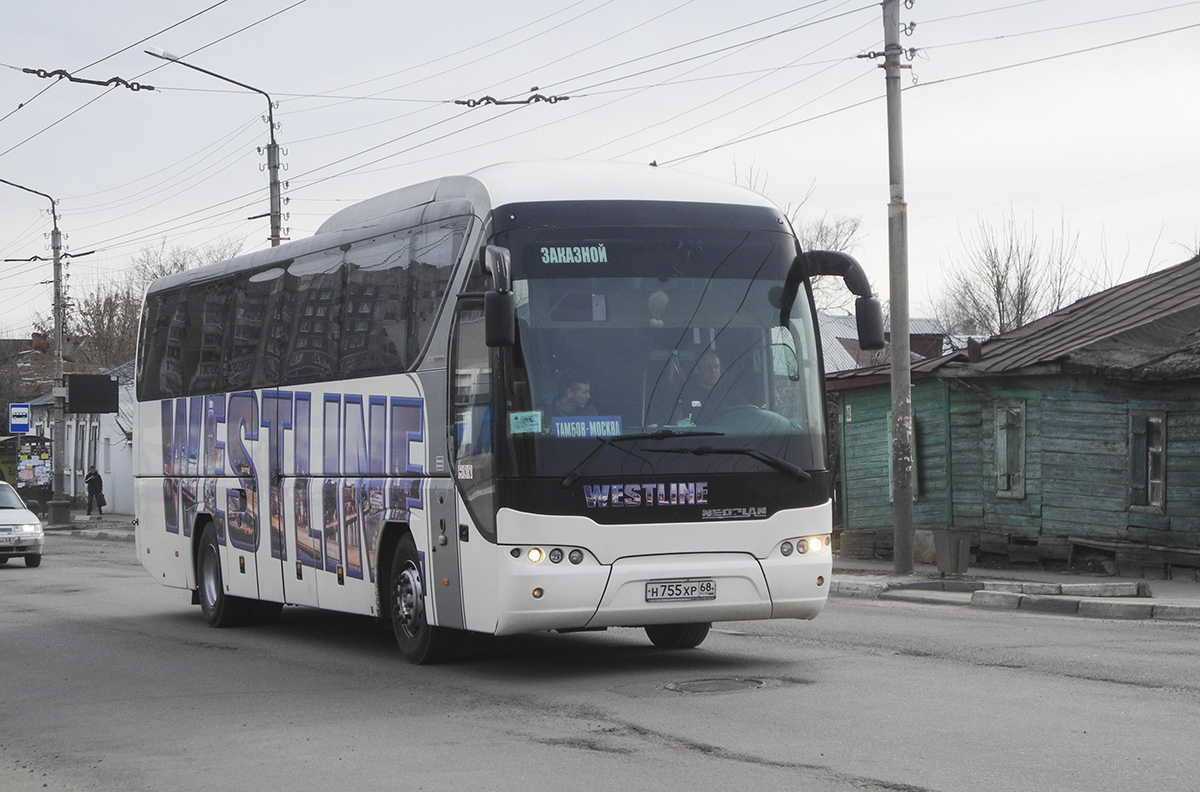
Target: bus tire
678,636
219,609
420,642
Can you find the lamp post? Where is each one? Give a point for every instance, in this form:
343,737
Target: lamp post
59,507
272,147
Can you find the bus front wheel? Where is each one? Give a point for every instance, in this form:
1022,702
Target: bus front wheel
219,609
419,641
678,636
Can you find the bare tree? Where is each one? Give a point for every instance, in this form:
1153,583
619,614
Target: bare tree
150,263
837,233
1007,278
103,320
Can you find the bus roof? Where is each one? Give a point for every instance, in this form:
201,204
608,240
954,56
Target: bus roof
548,180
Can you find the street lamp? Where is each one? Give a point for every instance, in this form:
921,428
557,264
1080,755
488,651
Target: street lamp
272,147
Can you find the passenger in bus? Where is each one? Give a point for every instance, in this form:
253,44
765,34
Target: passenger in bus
574,398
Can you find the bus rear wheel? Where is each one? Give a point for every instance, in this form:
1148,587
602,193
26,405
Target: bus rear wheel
219,609
678,636
419,641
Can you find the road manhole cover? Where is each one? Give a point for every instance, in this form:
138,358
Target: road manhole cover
721,685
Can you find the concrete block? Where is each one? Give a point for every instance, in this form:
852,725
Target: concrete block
1115,609
857,588
1049,604
926,596
1044,589
1177,612
1117,589
921,585
1022,587
1005,600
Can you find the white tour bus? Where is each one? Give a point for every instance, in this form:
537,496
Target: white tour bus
544,396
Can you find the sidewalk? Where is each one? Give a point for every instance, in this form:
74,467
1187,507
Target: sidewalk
1030,590
113,527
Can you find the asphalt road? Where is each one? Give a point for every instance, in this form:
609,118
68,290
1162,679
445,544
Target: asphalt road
111,682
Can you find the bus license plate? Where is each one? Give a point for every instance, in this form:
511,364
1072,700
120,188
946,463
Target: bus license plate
681,590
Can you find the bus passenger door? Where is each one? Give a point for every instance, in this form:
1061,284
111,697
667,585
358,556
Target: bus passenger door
471,416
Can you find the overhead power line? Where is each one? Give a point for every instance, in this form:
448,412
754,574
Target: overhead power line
1059,56
743,139
114,54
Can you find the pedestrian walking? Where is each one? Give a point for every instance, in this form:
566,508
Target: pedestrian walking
95,490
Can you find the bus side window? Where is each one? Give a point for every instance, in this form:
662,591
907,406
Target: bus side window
315,281
375,310
159,376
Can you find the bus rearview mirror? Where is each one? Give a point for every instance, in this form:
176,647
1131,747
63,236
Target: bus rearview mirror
498,262
868,313
499,319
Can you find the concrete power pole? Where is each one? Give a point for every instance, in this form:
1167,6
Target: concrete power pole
59,505
58,453
902,422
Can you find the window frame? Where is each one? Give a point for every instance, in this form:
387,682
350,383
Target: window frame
1009,459
1144,447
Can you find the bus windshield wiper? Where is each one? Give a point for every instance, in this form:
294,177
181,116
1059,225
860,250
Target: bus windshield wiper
658,434
762,456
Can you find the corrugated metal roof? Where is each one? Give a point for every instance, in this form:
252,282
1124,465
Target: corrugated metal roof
839,339
833,329
1093,319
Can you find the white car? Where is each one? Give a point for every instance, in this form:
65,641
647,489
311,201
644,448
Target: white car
20,529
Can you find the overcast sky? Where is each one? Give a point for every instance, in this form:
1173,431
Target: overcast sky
1063,114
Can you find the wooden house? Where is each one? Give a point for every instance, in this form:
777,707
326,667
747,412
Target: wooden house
1073,439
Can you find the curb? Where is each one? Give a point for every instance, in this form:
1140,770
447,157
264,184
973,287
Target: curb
1119,600
1102,607
107,534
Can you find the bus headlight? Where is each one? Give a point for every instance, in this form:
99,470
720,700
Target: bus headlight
786,549
556,556
575,556
536,554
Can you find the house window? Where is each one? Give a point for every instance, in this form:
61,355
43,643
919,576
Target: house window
1148,460
93,443
1010,450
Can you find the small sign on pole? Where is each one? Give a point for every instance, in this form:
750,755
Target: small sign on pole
18,418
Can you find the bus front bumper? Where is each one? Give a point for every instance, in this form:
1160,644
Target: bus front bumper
660,589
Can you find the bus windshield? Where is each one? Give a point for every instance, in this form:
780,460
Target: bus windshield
659,350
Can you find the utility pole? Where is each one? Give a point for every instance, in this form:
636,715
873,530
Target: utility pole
902,422
59,506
